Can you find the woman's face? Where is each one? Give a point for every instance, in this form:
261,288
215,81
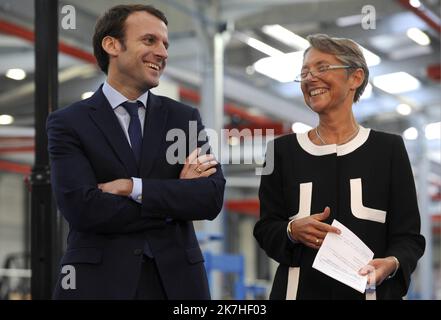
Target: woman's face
330,90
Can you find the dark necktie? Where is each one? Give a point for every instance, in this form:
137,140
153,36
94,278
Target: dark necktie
135,135
135,131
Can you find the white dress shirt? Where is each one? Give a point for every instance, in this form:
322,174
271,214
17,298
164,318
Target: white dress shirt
115,99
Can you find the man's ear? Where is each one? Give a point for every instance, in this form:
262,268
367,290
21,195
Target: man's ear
357,78
111,45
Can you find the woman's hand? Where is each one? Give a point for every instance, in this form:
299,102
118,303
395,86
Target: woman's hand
311,230
383,268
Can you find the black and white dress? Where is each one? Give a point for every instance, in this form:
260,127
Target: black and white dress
369,187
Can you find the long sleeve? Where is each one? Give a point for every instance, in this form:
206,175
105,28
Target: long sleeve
185,199
270,230
404,238
84,206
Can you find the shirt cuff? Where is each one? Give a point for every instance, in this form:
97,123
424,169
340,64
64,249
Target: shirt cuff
288,233
136,194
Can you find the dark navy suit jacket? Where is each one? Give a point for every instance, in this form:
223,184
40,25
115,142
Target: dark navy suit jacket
87,146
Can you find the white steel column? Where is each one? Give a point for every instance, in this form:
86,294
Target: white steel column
212,37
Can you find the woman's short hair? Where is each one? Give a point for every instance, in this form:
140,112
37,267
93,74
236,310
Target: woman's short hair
345,50
112,23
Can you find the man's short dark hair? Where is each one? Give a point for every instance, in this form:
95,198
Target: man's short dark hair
112,23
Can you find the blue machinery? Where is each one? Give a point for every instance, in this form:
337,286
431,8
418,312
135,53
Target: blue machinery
229,263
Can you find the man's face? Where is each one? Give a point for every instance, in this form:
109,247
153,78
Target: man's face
142,61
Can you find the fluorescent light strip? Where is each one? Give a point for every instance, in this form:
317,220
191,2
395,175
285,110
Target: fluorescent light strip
349,20
418,36
16,74
415,3
367,93
404,109
396,82
286,36
282,68
87,94
258,45
410,133
6,119
433,131
371,58
300,127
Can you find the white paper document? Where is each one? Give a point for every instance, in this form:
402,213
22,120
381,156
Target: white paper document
341,256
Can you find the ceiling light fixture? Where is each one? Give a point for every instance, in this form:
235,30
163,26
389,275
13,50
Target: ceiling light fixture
410,133
418,36
286,36
282,68
371,58
87,94
433,131
300,127
6,119
16,74
367,93
349,20
396,82
258,45
404,109
415,3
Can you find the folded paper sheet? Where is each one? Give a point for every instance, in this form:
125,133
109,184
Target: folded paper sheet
341,256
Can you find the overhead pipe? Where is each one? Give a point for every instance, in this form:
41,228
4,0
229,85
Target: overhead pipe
12,167
255,121
249,206
191,95
425,14
15,149
17,144
434,72
26,34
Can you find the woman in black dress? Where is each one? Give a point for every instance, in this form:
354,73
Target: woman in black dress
338,170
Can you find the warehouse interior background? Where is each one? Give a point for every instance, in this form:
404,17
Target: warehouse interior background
236,61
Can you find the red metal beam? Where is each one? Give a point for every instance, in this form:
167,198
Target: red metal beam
20,138
434,72
16,30
15,167
278,128
24,33
255,122
16,144
248,206
189,94
20,149
436,221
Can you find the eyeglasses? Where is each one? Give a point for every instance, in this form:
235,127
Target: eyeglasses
318,73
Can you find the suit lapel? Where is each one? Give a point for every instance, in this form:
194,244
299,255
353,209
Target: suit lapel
104,117
154,133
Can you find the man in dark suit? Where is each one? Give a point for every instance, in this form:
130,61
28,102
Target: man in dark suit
129,206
